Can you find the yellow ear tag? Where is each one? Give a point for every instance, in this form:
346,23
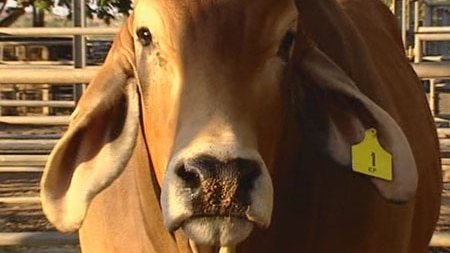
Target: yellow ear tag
369,158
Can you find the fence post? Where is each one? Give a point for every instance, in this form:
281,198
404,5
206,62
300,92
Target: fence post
79,15
1,90
404,22
433,96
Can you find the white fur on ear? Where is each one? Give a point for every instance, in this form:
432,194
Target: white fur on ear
75,173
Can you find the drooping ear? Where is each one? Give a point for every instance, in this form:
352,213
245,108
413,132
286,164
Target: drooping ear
98,143
337,114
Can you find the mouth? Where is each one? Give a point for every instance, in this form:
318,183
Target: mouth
217,230
214,225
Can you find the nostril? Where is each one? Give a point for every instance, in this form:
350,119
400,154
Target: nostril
190,177
247,181
249,172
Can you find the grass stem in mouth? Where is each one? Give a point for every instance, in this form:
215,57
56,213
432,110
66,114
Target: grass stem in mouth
228,249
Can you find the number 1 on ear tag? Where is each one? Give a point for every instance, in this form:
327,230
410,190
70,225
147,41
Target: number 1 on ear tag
369,158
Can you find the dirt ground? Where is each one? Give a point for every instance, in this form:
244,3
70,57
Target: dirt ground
25,217
41,249
21,217
444,219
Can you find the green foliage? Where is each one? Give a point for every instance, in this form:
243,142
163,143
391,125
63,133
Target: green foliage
103,9
107,9
40,4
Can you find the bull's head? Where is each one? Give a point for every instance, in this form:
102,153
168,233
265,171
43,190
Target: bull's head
211,85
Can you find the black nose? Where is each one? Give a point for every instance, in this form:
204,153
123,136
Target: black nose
219,186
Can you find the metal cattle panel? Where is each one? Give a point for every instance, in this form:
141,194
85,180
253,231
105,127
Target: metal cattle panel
23,152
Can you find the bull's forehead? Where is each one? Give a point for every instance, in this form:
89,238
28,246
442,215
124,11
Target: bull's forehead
227,27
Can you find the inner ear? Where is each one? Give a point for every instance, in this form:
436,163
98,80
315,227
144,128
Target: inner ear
323,111
349,116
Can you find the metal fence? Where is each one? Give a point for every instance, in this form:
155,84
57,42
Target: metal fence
22,153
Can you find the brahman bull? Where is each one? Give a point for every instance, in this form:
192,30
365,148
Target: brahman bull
229,125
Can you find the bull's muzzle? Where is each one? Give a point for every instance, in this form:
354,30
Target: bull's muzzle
219,188
217,201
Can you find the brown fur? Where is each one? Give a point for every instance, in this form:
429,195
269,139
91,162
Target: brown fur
319,206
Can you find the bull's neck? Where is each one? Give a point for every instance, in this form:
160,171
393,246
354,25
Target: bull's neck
148,192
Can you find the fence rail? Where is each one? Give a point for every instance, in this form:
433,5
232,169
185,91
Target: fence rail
433,36
54,76
432,33
23,160
37,103
31,160
37,239
20,200
433,29
17,169
35,120
57,32
427,70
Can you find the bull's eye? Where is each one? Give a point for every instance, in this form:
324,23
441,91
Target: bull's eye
284,50
144,36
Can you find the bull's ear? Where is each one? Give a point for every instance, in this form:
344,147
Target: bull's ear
98,143
337,114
